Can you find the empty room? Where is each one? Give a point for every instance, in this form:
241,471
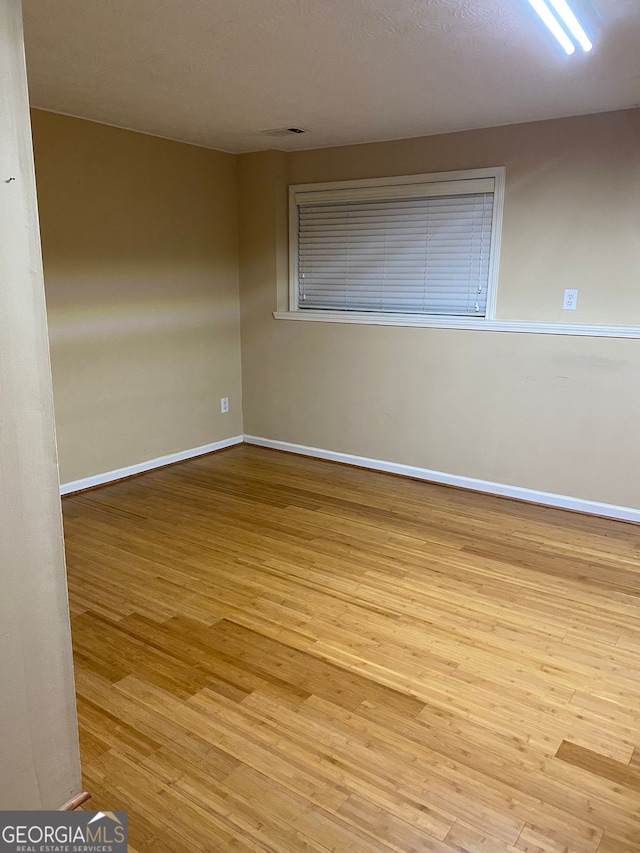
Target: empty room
319,421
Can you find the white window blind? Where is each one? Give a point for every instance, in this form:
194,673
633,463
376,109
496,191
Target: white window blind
416,255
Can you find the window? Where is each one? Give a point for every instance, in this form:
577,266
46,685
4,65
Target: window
422,245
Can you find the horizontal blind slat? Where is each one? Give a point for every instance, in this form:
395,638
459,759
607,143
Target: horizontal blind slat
436,189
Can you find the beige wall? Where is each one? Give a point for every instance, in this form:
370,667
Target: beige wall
139,240
553,413
39,761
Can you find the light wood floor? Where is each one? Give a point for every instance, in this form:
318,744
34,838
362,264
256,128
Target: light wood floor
281,654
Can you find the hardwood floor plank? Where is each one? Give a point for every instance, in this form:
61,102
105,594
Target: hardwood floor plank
600,765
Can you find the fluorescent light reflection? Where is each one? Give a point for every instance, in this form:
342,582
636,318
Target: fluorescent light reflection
552,23
572,23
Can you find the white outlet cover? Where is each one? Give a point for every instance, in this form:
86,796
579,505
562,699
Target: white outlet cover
570,300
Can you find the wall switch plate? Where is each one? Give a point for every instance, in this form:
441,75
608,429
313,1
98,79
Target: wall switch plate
224,404
570,300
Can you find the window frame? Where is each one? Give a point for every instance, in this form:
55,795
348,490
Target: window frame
369,185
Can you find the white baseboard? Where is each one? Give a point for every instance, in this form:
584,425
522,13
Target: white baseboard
149,465
621,513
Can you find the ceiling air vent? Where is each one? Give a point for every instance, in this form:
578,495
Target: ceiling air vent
283,131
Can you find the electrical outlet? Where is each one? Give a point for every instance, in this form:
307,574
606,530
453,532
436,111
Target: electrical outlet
570,300
224,404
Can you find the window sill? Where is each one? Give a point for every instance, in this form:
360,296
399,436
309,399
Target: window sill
365,318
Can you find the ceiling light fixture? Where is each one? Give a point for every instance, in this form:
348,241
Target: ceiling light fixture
567,16
572,23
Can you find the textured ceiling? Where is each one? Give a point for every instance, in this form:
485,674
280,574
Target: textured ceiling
218,72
